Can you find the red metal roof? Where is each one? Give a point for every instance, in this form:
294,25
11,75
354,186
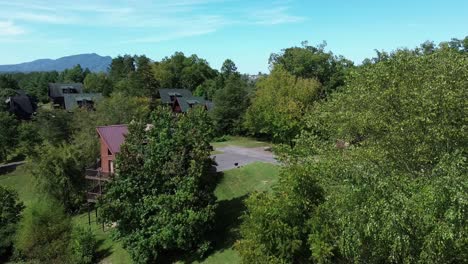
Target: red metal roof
114,136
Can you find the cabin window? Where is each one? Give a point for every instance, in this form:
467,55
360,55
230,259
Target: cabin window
174,95
69,90
85,104
109,152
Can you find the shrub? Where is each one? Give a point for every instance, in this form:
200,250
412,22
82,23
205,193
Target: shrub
44,233
83,245
10,210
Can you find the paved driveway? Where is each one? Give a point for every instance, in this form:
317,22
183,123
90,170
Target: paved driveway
233,157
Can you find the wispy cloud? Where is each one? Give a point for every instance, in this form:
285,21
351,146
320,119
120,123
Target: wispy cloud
43,18
144,20
8,28
275,16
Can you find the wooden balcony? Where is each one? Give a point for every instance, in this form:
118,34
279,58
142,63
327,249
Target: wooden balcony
97,174
96,181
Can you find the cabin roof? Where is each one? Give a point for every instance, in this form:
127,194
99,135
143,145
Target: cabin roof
166,94
113,136
56,89
185,102
71,100
22,100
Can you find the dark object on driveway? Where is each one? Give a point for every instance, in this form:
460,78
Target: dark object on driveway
236,164
267,149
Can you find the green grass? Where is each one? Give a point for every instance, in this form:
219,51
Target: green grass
109,251
232,189
22,181
256,176
241,142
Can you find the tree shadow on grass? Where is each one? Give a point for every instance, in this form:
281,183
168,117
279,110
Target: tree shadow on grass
6,170
223,236
102,253
226,230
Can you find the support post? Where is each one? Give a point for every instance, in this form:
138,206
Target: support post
89,214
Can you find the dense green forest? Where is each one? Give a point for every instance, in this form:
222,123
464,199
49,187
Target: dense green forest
373,159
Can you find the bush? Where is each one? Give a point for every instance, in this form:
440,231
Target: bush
44,233
10,210
59,171
83,245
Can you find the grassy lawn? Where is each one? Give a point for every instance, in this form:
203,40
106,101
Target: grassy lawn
109,251
241,142
234,186
239,182
22,181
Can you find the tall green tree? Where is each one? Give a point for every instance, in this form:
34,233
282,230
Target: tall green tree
230,104
121,67
162,199
179,71
44,234
98,83
59,172
315,63
10,215
122,109
8,134
8,82
54,125
143,80
279,105
74,75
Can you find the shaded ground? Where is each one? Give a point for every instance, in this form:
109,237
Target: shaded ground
231,157
234,187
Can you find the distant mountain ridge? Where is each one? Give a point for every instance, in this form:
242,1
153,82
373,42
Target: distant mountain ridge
92,61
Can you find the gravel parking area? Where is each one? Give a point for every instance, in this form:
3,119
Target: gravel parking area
233,157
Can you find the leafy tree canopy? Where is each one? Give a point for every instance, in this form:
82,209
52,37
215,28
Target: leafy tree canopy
10,215
230,104
162,197
59,172
44,234
8,134
98,83
388,153
313,62
179,71
279,104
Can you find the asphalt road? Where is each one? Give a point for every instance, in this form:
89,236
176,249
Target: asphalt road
234,157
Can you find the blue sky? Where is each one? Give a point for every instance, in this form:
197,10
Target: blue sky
245,31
